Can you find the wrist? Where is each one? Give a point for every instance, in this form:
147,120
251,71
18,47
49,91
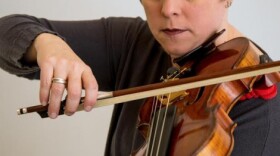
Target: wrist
30,57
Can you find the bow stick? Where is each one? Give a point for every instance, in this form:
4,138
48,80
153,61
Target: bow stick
125,95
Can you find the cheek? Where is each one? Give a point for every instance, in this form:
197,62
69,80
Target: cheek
219,15
153,17
210,19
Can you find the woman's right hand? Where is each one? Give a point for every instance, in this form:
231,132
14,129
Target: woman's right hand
57,60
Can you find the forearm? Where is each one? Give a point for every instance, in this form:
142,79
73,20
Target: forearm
99,43
17,35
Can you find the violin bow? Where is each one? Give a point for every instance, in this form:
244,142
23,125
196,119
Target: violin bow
136,93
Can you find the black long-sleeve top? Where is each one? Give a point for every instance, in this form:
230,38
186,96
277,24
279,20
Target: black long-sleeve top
122,53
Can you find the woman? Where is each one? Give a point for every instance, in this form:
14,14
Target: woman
110,54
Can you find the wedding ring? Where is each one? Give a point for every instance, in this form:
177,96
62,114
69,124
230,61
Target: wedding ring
59,80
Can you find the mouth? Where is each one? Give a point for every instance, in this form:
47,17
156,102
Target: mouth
173,32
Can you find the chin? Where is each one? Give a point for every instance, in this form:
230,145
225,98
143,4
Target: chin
175,51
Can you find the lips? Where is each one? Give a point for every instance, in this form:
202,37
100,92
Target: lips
172,32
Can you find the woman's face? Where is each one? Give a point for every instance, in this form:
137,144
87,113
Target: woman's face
181,25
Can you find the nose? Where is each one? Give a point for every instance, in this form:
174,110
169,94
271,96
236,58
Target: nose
170,8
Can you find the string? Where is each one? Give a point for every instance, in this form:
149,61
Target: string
164,119
156,125
151,126
175,74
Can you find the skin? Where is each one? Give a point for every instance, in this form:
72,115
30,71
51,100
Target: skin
178,25
182,25
56,59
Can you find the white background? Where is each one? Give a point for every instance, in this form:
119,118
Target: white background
85,133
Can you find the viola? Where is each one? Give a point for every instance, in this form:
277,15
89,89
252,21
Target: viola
196,121
195,109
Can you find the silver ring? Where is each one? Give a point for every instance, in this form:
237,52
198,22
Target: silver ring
59,80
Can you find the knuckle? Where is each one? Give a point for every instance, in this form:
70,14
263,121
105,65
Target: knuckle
87,68
44,83
73,95
76,65
57,90
47,60
92,86
62,61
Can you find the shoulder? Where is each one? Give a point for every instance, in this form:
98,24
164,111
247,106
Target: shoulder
256,105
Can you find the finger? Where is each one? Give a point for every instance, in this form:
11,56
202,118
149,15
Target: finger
45,83
74,90
56,93
91,89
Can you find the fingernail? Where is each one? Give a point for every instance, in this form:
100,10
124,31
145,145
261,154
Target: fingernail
53,115
68,113
44,103
88,108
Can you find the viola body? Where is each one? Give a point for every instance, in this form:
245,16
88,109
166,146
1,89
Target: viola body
200,124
